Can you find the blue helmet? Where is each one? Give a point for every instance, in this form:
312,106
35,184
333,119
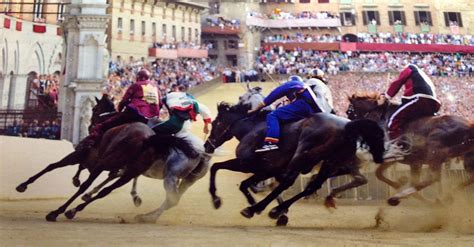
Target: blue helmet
295,78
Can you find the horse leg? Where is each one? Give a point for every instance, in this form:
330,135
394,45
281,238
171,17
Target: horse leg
469,167
112,176
244,186
172,199
233,165
125,178
137,201
75,180
71,159
379,173
315,184
359,180
435,177
198,172
92,176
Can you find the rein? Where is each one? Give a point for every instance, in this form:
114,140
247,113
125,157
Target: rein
106,113
225,131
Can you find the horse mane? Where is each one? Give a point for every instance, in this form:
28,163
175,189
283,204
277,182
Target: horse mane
371,96
237,108
162,144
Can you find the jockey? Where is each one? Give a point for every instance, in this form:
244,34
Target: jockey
140,103
182,107
318,83
303,104
419,99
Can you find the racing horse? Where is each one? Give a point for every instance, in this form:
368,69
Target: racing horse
303,145
103,110
432,140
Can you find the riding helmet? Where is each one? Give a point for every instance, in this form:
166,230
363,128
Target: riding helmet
143,75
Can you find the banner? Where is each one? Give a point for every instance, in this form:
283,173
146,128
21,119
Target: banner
304,46
415,48
163,53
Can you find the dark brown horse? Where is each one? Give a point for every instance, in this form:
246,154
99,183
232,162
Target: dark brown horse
321,137
103,110
433,140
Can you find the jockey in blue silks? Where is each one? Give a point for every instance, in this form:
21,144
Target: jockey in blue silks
303,104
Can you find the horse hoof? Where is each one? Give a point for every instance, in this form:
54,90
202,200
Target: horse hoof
76,182
330,202
217,202
70,214
393,201
274,213
247,213
282,220
21,188
86,197
137,201
51,217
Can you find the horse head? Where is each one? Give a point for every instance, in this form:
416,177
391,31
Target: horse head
252,97
227,116
104,107
365,105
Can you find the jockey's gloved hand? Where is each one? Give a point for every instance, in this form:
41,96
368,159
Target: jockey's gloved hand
260,106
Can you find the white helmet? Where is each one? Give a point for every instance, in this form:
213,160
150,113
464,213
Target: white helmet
295,78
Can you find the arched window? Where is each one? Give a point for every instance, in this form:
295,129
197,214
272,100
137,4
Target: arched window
38,8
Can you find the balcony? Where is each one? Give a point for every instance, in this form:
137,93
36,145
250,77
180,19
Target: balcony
292,23
218,30
177,53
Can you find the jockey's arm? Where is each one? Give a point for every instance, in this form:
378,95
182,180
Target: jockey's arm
127,97
396,85
206,116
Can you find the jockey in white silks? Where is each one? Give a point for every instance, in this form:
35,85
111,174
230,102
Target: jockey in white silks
183,109
323,94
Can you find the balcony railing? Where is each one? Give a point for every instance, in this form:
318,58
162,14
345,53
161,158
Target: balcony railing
292,23
218,30
177,53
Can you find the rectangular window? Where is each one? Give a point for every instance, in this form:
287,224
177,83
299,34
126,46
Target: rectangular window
196,17
190,16
182,34
183,16
38,8
163,31
232,44
60,11
143,28
214,7
305,1
153,29
119,25
323,1
132,26
173,14
173,32
347,19
423,17
370,17
190,35
452,19
196,36
396,17
164,13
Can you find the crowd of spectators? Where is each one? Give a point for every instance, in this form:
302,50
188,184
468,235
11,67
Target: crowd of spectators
453,92
223,23
278,14
46,89
35,129
279,61
393,38
165,73
236,74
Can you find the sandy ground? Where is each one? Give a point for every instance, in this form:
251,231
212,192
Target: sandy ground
195,222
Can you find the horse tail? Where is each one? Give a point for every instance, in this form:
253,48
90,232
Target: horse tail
163,143
370,133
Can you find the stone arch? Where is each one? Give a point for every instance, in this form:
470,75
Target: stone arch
31,99
12,91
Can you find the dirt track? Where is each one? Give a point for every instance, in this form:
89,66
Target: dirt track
195,222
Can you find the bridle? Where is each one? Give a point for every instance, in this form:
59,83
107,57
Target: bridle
353,112
209,140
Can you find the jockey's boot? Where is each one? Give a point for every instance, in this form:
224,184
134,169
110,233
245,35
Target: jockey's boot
267,146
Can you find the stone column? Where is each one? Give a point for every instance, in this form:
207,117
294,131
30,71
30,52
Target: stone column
85,54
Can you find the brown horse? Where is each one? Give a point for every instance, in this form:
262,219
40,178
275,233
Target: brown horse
432,140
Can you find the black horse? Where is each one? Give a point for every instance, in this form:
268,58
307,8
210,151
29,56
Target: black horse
321,137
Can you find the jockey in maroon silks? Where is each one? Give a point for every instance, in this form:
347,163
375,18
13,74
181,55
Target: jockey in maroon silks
419,99
140,103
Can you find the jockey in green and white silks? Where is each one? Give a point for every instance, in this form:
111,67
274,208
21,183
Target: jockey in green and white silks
182,107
